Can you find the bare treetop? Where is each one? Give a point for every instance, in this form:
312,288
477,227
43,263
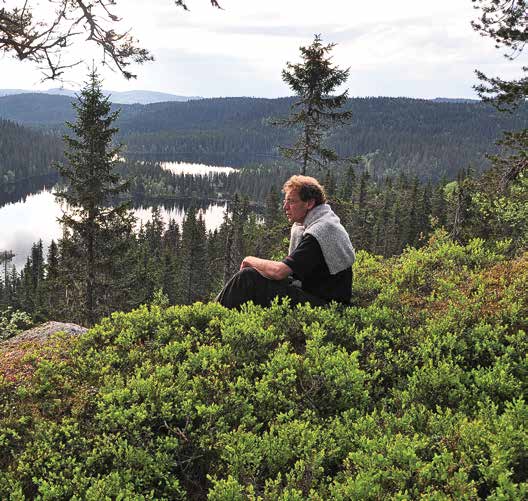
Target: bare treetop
28,36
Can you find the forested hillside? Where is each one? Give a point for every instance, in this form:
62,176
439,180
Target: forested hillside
26,153
45,110
427,138
420,137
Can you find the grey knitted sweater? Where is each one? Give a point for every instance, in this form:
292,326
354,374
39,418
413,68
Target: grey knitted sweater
324,225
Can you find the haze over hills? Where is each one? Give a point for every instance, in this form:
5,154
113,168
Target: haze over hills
431,139
126,97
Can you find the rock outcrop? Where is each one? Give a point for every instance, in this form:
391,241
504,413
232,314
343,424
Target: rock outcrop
43,333
20,354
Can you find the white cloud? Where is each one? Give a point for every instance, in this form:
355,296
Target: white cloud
417,48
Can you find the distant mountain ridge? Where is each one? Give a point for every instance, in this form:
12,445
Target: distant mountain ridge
118,97
455,100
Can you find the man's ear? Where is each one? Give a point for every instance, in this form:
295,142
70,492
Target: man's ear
311,204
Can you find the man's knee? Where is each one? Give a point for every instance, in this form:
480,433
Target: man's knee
250,275
243,286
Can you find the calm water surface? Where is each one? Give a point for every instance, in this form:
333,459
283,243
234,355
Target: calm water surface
195,169
25,222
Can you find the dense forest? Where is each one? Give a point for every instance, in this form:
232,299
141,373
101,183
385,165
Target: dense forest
425,138
45,110
168,258
429,139
26,153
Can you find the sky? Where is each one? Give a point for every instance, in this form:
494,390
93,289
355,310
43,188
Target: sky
412,48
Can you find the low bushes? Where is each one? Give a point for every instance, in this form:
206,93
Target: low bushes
417,390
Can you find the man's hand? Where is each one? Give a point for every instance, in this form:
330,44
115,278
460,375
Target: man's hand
275,270
245,263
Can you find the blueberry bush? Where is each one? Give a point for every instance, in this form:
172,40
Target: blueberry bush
417,390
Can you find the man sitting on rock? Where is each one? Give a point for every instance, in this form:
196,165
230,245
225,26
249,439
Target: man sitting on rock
318,267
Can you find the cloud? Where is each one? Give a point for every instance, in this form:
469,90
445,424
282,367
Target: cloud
285,30
196,73
394,47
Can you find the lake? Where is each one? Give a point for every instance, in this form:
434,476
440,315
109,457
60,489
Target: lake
195,169
34,217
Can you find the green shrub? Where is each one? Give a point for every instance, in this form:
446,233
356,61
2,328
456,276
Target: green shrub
416,391
12,322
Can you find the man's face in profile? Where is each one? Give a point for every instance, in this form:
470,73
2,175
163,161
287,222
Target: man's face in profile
295,208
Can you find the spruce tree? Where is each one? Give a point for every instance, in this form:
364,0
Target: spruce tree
411,218
439,205
316,111
154,230
194,277
172,238
506,23
25,290
144,270
98,231
460,205
215,259
330,184
383,227
5,258
362,215
234,220
349,182
424,211
272,210
31,292
51,282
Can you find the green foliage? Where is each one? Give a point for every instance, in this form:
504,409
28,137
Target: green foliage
506,24
12,322
417,390
503,213
315,112
95,233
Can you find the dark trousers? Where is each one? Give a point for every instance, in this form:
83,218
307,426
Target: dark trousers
249,285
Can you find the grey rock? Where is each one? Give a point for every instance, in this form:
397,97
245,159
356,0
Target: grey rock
43,332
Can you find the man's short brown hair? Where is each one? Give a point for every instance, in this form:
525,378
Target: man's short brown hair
307,187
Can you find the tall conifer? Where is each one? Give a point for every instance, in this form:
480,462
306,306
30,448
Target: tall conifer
98,231
316,110
194,279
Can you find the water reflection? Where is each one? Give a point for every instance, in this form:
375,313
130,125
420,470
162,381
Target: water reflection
195,169
18,192
29,211
212,159
25,222
212,213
